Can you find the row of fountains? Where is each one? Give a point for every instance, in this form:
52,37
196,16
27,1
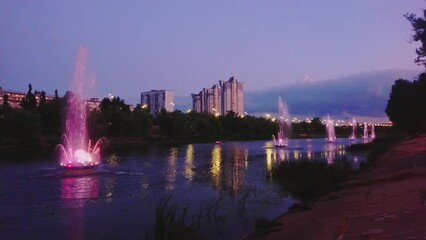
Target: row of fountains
75,151
281,139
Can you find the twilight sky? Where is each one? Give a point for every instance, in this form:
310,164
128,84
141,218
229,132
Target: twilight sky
183,46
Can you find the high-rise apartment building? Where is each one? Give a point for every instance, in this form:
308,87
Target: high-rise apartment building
156,100
221,98
232,96
207,100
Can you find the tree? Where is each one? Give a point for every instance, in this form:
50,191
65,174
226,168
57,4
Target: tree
401,107
42,98
29,102
420,101
6,106
419,28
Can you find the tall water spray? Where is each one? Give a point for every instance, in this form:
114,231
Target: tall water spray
373,133
365,134
352,137
281,140
75,151
329,126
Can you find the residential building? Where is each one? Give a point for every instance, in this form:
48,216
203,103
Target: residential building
15,97
220,98
156,100
93,104
232,96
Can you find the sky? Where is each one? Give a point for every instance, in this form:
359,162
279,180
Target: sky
184,46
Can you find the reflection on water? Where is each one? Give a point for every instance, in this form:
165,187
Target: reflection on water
189,162
306,149
110,185
228,167
79,189
215,169
75,192
171,170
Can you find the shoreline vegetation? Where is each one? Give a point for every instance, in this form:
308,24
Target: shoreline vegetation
38,125
375,202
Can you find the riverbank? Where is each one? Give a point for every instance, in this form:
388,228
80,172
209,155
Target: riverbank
384,202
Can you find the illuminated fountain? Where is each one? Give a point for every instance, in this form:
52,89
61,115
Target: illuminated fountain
281,140
329,127
75,151
373,134
352,137
365,135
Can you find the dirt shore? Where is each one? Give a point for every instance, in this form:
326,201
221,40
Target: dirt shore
387,201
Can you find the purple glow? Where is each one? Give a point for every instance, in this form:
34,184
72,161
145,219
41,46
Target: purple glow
75,151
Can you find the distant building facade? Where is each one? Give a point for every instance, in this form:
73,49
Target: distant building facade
207,100
93,104
220,98
15,99
156,100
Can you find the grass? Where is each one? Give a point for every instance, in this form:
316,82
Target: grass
306,180
374,149
170,222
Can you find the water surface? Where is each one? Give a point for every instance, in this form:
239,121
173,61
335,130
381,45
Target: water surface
38,200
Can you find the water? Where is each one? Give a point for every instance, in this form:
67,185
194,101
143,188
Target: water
39,200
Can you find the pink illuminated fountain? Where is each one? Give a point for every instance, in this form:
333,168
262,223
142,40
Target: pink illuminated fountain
373,134
281,140
329,126
352,137
365,135
75,151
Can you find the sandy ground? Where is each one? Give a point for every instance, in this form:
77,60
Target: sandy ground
386,202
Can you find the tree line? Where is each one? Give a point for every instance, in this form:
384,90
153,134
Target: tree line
43,122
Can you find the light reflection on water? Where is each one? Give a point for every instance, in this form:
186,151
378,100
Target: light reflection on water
125,191
215,170
75,192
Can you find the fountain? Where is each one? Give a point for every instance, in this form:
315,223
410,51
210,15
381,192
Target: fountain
329,127
373,134
352,137
365,135
281,140
75,151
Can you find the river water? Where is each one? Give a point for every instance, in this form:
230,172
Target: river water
223,187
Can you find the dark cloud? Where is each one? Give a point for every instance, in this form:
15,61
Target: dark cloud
358,94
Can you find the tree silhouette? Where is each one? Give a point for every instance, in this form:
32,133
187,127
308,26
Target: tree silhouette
401,106
6,106
29,102
419,28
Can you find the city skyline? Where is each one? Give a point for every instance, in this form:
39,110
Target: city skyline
186,46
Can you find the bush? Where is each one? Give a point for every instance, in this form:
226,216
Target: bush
307,180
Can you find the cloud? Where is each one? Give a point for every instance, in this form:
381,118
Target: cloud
362,94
